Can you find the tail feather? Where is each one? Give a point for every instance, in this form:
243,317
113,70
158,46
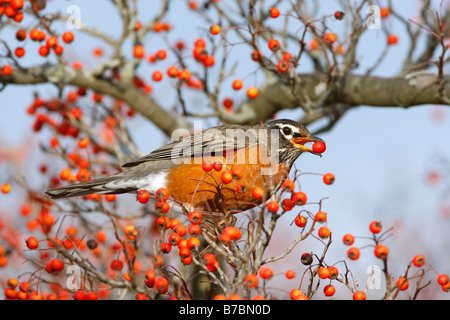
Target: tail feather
87,188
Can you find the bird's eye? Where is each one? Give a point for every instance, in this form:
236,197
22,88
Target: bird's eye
287,131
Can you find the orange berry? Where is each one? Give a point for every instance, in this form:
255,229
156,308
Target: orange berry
237,173
385,12
157,76
392,39
7,70
290,274
214,29
226,177
251,281
274,12
296,294
334,272
273,206
330,37
419,260
348,239
328,178
402,283
207,166
237,84
381,251
257,193
329,290
353,253
300,221
138,51
287,204
375,226
143,196
359,295
288,185
273,44
68,37
5,188
84,142
323,273
162,194
442,279
299,198
32,243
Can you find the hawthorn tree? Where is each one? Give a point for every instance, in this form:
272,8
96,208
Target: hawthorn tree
298,55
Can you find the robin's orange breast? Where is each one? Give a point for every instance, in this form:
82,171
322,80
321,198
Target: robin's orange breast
205,191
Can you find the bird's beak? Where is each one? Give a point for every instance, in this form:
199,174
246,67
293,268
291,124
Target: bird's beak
299,142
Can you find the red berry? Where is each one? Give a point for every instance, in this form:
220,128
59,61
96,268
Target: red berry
381,251
7,70
290,274
319,147
419,260
353,253
32,243
116,265
273,206
320,216
240,188
257,193
300,221
339,15
273,44
157,76
442,279
375,227
214,29
162,194
274,12
392,39
217,166
226,177
328,178
138,51
348,239
288,185
237,84
323,273
19,52
143,196
402,283
195,217
252,92
68,37
207,166
329,290
324,232
79,295
237,173
299,198
296,294
287,204
359,295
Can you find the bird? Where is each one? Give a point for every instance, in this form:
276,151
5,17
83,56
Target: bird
260,155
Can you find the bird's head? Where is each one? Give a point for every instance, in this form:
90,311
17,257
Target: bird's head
292,139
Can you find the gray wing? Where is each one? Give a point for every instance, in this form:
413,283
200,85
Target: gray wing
212,141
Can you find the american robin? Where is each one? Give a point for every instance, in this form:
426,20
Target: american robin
255,156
